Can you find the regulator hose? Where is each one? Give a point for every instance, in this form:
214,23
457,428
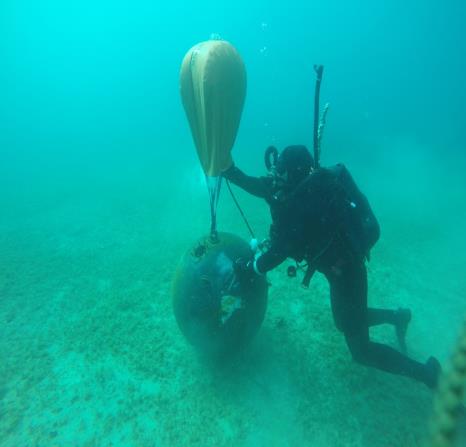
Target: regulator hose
271,151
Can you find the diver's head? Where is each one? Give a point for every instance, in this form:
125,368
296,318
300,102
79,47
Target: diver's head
294,164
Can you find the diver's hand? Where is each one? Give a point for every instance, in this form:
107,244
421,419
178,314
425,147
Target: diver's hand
229,171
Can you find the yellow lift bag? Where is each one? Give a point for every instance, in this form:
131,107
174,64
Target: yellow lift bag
213,89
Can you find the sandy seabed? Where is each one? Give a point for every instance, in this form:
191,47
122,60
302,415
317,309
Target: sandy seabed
91,354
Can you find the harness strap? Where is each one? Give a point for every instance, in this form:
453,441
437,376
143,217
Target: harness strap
308,276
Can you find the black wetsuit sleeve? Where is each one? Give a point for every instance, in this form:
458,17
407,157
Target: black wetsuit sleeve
271,259
260,187
257,186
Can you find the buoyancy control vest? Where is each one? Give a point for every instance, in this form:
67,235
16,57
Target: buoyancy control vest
327,204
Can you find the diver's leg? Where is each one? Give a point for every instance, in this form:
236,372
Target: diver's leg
387,359
348,291
399,318
388,316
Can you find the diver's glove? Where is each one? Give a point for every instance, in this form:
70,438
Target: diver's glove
230,171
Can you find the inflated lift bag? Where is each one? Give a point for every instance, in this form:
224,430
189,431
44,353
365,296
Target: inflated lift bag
213,88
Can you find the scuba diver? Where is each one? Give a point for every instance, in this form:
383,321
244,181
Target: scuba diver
320,216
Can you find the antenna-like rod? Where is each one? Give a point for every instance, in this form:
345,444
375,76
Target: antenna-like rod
319,69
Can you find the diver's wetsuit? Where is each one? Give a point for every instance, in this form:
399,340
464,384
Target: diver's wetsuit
311,223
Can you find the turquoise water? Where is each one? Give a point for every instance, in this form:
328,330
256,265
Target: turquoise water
101,193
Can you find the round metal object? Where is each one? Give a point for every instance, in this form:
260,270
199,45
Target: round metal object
217,313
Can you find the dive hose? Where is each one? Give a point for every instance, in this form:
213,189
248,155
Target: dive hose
271,151
251,232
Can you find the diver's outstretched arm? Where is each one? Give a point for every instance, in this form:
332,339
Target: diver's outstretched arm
257,186
246,270
272,258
